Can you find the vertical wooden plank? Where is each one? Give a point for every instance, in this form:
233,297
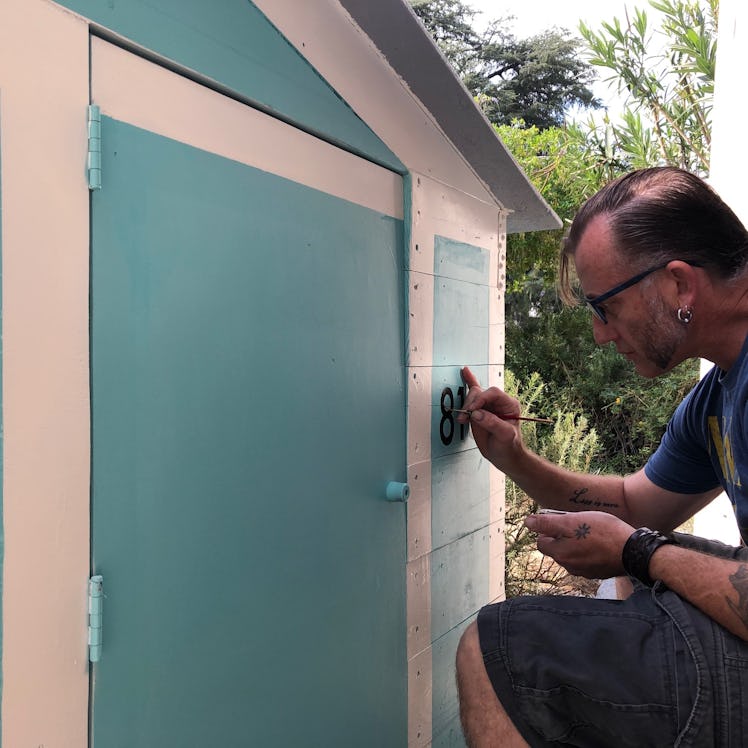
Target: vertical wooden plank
420,679
497,481
456,267
419,261
44,92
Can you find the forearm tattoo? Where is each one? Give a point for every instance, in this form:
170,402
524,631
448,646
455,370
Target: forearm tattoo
580,499
739,581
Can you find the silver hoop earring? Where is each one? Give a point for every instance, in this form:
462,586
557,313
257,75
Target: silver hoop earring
685,314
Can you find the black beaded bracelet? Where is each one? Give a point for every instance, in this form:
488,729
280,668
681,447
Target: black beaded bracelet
637,552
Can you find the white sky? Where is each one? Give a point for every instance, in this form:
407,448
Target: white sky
532,16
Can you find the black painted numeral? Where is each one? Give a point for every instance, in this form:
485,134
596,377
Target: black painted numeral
447,423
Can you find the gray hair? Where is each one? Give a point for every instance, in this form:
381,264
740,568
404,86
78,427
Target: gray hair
661,214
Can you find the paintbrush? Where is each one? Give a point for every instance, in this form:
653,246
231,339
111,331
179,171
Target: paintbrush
506,417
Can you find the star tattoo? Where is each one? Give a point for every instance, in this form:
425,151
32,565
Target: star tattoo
582,531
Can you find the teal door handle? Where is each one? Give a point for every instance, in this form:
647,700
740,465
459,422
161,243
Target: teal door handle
397,491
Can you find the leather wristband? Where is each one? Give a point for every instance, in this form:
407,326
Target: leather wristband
637,553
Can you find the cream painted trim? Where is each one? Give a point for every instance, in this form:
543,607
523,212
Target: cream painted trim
497,300
178,108
44,94
331,41
420,678
420,255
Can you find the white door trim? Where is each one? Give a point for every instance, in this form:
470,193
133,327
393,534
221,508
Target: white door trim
176,107
44,66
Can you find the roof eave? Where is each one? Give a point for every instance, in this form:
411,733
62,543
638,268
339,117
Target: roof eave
408,48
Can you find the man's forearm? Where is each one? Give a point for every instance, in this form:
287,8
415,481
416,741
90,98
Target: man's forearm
555,487
717,586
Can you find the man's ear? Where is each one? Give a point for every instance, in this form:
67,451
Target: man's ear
685,281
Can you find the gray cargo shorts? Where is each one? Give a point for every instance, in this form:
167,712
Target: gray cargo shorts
651,670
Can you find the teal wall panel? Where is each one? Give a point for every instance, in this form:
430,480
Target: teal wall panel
248,410
232,42
460,479
461,304
460,261
459,581
459,496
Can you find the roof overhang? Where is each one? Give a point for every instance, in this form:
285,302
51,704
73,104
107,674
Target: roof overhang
402,40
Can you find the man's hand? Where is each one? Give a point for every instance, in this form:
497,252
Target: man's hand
586,544
498,440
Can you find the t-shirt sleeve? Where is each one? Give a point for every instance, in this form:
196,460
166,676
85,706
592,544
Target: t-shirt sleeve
682,463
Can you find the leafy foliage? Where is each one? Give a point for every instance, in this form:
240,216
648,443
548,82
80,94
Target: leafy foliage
450,23
570,443
666,74
559,164
535,79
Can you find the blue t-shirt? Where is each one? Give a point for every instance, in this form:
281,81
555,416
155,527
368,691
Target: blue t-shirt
706,442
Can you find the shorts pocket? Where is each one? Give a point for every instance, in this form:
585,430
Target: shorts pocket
587,673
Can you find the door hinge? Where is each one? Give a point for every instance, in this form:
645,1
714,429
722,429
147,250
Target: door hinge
94,147
95,612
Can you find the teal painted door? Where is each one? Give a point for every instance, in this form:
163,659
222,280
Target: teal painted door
247,411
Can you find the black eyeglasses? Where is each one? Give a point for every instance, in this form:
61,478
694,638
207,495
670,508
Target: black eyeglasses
594,302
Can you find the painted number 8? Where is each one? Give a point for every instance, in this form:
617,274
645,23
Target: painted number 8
447,424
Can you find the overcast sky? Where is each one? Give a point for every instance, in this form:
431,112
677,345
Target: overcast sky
539,15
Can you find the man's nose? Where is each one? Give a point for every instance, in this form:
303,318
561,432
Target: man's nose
601,332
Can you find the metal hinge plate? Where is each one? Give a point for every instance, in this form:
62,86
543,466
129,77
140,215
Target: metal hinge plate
94,147
95,612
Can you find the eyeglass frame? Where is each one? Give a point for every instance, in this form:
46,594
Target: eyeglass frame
593,302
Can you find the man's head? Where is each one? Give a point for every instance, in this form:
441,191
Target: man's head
644,247
662,214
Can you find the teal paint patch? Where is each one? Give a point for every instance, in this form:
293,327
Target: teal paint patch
450,735
459,581
233,43
446,731
461,304
461,313
248,411
459,476
460,261
460,487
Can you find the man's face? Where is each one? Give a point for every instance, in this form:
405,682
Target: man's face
640,323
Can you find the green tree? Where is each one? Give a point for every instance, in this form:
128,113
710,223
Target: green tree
535,79
558,162
666,74
450,24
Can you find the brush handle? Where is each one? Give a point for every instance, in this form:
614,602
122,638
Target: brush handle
507,417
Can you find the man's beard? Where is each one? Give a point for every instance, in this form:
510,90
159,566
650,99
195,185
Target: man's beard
661,336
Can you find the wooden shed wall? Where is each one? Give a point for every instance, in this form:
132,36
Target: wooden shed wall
455,515
455,268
